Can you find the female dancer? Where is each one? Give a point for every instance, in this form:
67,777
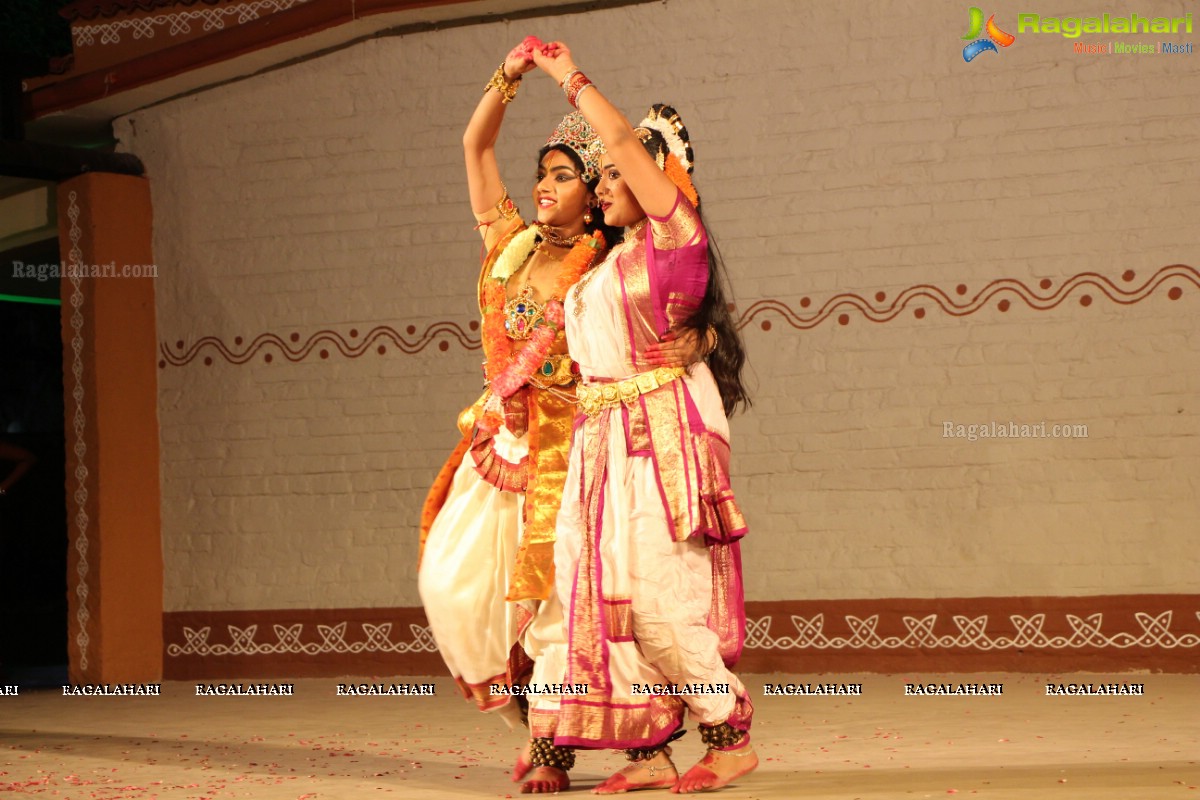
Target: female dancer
488,525
647,558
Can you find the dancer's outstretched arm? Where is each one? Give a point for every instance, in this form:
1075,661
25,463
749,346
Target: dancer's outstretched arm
486,189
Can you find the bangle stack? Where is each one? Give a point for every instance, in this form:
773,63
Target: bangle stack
574,83
501,83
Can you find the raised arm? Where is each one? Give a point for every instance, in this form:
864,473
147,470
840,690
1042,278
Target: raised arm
655,192
479,147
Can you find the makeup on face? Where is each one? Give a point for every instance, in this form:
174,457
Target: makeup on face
559,193
620,206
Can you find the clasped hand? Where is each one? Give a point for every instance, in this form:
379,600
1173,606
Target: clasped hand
553,57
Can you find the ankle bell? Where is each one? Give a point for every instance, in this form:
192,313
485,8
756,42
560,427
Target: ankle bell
722,736
544,753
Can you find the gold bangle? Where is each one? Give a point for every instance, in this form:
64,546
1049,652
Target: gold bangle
501,83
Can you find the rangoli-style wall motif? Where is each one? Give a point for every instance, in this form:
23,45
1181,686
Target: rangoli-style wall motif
1026,632
843,307
178,23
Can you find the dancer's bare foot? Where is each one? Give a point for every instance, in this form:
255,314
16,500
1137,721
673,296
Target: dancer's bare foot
718,768
523,764
654,773
546,780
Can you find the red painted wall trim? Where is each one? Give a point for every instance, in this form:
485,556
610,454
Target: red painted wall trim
90,9
238,40
1108,633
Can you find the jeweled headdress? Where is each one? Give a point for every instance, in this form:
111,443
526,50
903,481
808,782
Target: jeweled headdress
674,154
575,132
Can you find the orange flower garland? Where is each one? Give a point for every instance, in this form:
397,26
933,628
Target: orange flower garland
679,176
505,371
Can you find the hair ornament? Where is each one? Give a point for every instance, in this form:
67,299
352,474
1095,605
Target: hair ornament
665,120
673,150
575,132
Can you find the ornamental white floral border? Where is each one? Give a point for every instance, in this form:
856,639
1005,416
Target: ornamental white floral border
332,639
972,632
180,23
810,635
78,425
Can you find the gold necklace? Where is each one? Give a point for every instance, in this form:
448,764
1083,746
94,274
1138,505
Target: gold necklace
549,235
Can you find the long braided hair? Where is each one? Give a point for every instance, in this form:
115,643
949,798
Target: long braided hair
728,359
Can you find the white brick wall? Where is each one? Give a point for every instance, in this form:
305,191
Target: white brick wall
840,148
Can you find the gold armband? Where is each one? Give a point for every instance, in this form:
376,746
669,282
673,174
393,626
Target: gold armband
505,209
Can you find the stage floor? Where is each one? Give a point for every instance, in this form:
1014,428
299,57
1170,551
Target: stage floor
882,745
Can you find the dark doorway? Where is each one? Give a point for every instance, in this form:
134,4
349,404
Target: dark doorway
33,514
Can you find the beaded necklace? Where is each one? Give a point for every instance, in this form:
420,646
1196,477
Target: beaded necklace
505,371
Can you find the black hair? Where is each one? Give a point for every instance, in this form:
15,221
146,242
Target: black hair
728,358
611,235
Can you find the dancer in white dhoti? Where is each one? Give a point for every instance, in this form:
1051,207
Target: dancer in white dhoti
486,572
647,553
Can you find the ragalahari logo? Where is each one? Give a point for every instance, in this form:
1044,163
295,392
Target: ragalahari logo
995,36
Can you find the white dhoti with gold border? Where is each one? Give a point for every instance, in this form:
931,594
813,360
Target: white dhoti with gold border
647,558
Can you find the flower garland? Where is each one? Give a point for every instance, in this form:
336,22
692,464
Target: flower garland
680,177
507,373
514,256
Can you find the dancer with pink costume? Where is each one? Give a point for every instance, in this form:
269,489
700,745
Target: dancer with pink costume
488,526
647,556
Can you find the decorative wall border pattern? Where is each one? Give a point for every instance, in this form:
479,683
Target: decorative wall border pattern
78,426
972,633
292,349
90,9
1007,289
180,23
1004,291
298,642
376,638
1120,632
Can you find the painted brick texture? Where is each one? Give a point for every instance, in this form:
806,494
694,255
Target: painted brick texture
840,151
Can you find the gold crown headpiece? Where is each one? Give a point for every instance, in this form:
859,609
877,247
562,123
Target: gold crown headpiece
575,132
678,160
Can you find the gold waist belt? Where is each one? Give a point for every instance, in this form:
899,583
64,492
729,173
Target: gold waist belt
595,398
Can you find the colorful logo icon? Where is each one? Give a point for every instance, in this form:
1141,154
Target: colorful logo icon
995,36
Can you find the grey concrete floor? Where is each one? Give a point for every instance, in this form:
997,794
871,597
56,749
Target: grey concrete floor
1021,745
